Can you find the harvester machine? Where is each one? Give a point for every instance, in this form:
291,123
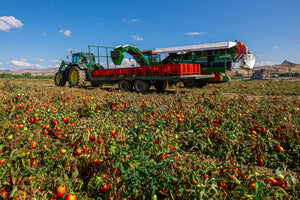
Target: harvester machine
215,58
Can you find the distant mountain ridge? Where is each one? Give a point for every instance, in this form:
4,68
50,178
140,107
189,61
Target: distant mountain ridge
283,67
34,72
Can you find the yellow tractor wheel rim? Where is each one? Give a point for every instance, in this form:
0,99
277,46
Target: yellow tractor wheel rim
74,77
57,79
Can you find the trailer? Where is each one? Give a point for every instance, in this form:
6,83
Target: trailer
83,68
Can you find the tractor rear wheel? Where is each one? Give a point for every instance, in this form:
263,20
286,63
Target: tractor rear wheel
125,85
76,77
160,85
141,86
59,80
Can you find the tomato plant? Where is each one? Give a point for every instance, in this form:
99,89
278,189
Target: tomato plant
223,141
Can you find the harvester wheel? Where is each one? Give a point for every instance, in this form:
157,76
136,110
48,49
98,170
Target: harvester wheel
190,83
76,77
96,84
125,85
141,86
59,79
160,85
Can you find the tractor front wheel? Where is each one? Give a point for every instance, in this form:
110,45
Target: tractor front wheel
59,80
76,77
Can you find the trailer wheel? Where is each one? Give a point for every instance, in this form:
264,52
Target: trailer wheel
160,85
59,79
141,86
76,77
190,83
125,85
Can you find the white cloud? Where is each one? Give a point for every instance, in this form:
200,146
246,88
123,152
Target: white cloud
41,60
196,33
275,47
1,63
55,61
265,63
137,38
55,66
23,64
131,20
128,63
135,20
66,32
9,22
125,63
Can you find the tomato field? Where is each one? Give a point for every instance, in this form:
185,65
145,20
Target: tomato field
236,140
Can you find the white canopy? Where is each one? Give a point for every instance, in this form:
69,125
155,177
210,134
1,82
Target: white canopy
199,47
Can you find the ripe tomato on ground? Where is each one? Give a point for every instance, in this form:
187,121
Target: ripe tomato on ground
70,197
105,188
61,190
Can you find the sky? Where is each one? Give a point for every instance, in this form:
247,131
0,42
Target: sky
38,34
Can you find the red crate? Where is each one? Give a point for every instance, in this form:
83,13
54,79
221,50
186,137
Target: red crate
138,71
170,69
196,69
153,70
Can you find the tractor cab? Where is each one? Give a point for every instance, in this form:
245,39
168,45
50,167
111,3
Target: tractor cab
152,57
83,57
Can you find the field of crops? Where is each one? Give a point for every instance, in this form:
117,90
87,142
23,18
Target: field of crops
237,140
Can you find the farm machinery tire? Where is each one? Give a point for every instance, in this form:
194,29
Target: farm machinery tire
190,83
160,85
76,77
59,80
141,86
125,85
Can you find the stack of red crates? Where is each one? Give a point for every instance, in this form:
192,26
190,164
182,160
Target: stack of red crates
160,70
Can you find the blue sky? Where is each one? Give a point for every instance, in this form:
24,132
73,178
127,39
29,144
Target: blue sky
40,33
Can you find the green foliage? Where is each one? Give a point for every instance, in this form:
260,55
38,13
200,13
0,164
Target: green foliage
26,75
223,141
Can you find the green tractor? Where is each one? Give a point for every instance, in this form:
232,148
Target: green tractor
78,72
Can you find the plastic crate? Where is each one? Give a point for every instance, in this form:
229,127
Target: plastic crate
152,70
138,71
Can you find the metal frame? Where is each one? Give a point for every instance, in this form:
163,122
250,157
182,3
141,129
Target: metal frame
98,53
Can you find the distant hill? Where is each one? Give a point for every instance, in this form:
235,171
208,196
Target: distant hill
281,68
34,72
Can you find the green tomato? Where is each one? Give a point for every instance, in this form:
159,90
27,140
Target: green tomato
10,136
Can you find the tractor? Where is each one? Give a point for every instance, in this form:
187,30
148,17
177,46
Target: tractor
77,72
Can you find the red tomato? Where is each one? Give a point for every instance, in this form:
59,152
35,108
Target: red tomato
105,188
252,186
61,190
70,197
